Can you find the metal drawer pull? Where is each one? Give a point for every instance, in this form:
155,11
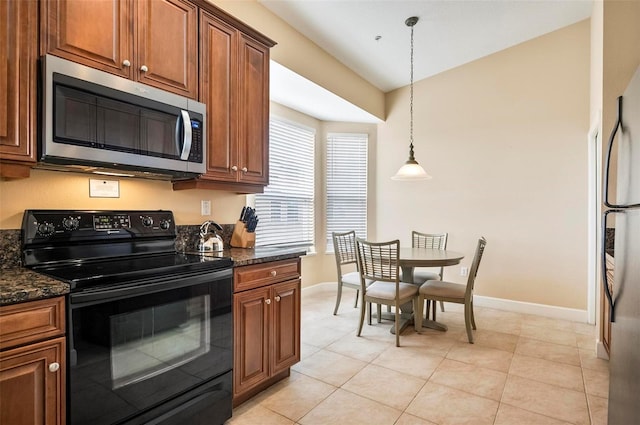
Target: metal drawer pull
53,367
144,68
234,168
273,273
245,169
278,298
126,63
267,301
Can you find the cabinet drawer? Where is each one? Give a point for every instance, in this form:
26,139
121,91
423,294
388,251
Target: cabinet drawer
31,321
257,275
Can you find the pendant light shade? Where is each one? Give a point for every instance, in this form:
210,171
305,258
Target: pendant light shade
411,170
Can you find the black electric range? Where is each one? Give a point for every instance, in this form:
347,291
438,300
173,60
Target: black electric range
149,330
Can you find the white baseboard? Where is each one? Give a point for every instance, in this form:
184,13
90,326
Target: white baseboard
545,310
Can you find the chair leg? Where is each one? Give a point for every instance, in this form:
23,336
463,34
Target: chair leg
442,306
435,304
357,294
363,307
428,308
379,312
397,325
417,315
338,297
473,317
369,305
468,312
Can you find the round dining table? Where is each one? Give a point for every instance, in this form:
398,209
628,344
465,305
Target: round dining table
410,258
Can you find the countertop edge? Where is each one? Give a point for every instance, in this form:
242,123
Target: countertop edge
20,284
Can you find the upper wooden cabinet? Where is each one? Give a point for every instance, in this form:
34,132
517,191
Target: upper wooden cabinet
151,41
18,82
234,76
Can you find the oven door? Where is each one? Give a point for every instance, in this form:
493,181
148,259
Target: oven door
156,351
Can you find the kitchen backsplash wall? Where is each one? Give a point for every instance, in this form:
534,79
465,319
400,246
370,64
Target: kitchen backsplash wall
189,235
9,249
62,190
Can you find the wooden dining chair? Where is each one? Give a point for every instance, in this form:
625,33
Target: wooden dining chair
432,241
344,246
379,262
437,290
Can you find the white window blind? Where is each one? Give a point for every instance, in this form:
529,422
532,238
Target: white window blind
286,208
346,185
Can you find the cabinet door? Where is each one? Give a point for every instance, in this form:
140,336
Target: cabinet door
94,33
285,325
218,77
253,108
18,58
251,338
31,386
167,45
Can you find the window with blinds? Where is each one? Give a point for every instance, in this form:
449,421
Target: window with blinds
286,208
346,170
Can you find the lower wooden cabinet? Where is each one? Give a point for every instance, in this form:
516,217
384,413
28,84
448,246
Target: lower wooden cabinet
266,325
32,384
32,363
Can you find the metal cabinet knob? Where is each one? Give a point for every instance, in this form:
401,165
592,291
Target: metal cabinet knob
245,169
126,63
144,68
53,367
273,273
234,168
278,298
267,301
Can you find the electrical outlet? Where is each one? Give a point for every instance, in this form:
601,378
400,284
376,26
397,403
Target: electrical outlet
205,207
464,271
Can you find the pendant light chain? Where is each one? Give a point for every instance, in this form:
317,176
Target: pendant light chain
411,102
411,170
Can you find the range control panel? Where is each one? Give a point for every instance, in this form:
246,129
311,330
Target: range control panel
68,225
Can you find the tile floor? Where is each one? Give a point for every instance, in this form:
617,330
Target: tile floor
522,369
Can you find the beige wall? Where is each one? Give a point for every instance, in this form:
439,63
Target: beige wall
304,57
55,189
504,138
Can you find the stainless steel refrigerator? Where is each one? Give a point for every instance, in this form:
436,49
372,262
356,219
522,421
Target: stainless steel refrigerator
624,299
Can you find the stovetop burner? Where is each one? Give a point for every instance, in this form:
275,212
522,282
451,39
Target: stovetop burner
98,248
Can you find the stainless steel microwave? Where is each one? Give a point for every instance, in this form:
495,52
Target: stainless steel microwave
97,122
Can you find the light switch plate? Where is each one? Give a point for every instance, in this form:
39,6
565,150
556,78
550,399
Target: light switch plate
104,188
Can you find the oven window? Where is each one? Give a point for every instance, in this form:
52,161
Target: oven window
148,342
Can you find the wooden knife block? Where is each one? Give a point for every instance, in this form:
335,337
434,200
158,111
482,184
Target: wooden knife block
241,238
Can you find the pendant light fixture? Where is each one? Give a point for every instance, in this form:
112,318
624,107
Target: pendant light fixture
411,170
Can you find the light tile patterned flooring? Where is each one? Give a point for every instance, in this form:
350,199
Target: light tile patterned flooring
522,369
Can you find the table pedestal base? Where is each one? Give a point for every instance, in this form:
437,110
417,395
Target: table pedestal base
432,324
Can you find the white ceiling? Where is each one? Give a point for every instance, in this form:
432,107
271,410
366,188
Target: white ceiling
449,33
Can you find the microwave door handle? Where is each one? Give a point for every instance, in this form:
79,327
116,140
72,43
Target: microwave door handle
183,144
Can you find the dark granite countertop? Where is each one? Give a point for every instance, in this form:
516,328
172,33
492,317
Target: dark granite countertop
19,284
247,256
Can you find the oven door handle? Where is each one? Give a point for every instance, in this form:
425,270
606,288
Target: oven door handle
147,286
